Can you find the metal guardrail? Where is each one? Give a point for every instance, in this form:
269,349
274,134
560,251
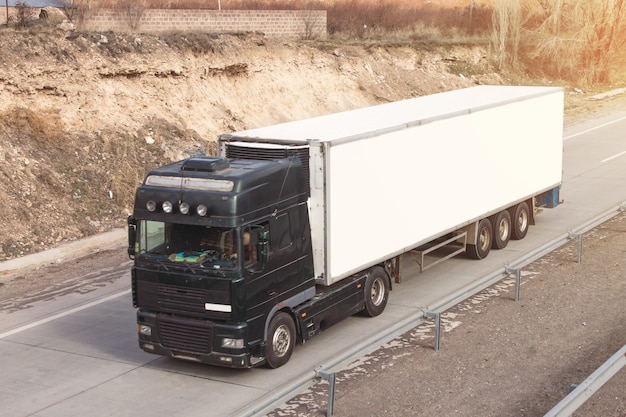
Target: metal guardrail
501,273
589,386
306,380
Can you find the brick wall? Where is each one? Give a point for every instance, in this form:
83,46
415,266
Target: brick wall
274,23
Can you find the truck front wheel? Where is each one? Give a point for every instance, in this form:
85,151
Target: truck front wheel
281,339
376,292
484,236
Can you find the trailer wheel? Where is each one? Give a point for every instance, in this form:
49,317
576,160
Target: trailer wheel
483,244
281,338
376,292
520,220
501,224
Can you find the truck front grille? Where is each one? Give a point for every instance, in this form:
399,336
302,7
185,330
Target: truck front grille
175,299
181,298
185,335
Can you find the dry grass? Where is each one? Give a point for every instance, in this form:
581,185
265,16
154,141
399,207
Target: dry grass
46,127
578,41
356,17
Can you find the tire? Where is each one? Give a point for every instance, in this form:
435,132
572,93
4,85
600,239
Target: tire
520,220
484,237
281,339
376,292
501,224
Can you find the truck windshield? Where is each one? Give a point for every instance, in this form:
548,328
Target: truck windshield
214,247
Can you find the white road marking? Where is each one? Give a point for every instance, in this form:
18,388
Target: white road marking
64,314
594,128
613,157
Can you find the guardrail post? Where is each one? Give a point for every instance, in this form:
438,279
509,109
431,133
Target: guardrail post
518,280
437,317
578,236
330,377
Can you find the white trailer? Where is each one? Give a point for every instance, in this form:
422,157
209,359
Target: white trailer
393,177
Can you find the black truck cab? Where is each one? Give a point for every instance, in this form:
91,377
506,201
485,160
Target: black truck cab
222,253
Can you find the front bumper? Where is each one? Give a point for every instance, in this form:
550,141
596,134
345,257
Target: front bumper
195,340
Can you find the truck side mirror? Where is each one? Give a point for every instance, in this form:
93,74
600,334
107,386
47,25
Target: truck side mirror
263,246
132,236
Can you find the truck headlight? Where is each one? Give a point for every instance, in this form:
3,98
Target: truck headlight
230,343
144,329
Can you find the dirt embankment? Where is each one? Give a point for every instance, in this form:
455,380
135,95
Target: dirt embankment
82,119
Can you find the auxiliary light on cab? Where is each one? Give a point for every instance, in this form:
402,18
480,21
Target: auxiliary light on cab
167,206
151,205
184,208
202,210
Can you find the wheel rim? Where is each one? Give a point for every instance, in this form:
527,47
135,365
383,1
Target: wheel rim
504,230
484,240
378,292
522,221
281,341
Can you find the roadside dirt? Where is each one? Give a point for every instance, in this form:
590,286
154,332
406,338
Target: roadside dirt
499,357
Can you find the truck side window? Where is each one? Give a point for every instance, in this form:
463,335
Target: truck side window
249,239
152,236
283,231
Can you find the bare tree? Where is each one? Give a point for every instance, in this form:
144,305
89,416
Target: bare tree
76,10
603,38
579,39
506,35
133,9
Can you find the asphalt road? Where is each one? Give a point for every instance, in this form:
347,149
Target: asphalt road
77,354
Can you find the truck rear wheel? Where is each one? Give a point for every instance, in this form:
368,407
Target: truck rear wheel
484,236
501,224
376,292
281,339
520,216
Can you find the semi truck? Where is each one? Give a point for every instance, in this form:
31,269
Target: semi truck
296,226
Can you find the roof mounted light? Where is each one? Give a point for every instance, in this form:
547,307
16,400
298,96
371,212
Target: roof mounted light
167,206
184,208
202,210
